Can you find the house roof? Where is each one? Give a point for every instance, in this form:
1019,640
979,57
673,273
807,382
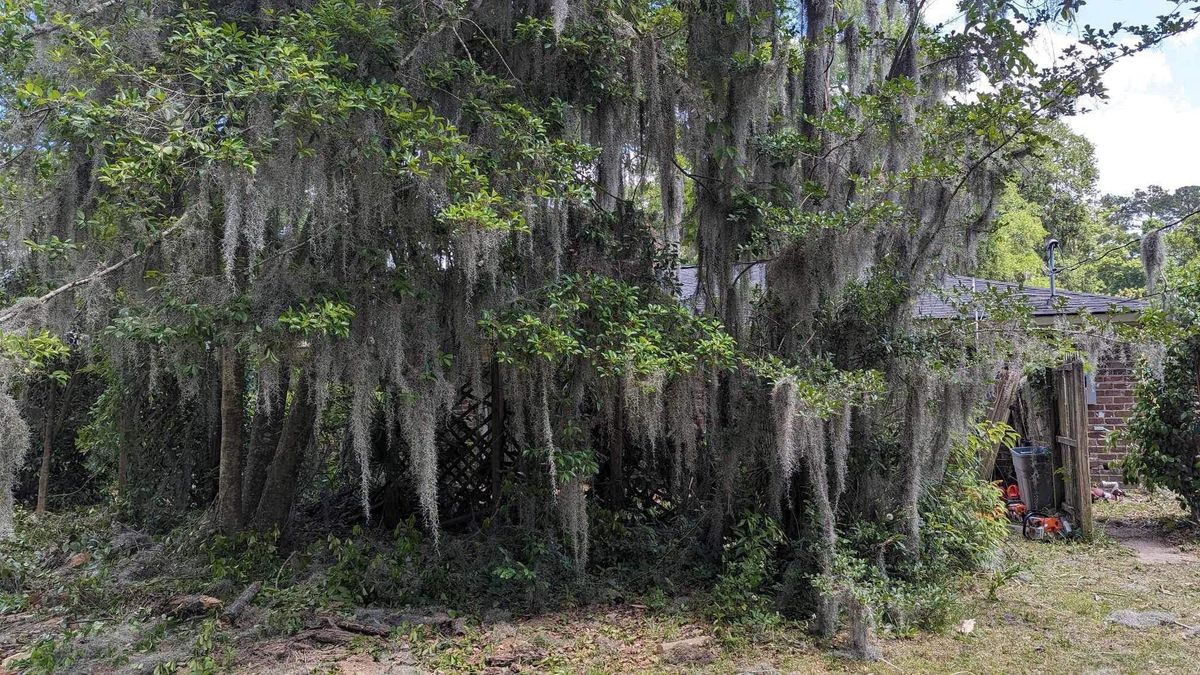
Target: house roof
689,279
953,298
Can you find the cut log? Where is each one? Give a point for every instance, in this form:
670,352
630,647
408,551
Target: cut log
192,606
239,605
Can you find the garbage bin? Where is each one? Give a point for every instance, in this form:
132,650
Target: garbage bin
1034,467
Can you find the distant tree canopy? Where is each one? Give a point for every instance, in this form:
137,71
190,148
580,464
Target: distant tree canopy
1177,215
1013,250
1060,179
1113,259
1053,194
285,234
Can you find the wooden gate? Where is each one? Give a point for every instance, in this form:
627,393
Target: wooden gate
1073,481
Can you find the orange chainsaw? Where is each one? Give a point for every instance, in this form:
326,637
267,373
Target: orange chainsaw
1039,526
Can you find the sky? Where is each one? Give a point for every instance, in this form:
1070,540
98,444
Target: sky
1148,131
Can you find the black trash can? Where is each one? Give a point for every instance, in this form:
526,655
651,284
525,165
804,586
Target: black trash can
1034,467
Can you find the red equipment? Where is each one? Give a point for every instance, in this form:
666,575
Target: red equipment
1012,502
1041,526
1016,511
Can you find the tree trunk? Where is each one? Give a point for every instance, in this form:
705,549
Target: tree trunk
131,408
914,439
207,464
616,457
279,489
264,435
229,485
496,424
47,446
123,465
818,52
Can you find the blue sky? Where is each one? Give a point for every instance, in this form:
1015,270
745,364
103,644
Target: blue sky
1148,131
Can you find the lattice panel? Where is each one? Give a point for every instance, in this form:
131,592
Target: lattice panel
467,471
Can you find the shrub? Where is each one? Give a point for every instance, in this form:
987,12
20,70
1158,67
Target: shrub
964,516
964,528
1164,427
748,564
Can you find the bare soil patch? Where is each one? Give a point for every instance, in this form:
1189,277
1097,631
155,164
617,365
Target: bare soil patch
1149,526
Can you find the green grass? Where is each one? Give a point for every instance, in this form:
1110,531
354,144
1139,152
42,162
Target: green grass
1050,618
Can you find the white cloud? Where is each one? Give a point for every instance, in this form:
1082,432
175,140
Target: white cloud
1146,132
1141,73
941,11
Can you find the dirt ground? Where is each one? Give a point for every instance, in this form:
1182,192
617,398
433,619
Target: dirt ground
1128,603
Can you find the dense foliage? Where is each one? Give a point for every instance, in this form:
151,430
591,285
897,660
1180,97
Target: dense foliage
1165,424
275,241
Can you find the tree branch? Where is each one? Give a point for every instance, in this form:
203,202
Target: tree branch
49,26
1113,249
21,307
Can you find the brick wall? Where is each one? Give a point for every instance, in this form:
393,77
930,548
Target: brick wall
1113,401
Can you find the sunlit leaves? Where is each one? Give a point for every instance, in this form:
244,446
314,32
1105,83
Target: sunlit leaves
36,352
619,329
616,327
327,317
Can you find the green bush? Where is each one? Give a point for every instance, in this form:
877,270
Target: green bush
1164,428
964,526
749,563
245,557
964,517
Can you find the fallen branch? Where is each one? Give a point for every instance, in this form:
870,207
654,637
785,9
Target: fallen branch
25,304
243,601
361,628
285,562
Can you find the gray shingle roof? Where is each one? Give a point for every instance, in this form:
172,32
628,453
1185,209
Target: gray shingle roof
689,280
953,300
